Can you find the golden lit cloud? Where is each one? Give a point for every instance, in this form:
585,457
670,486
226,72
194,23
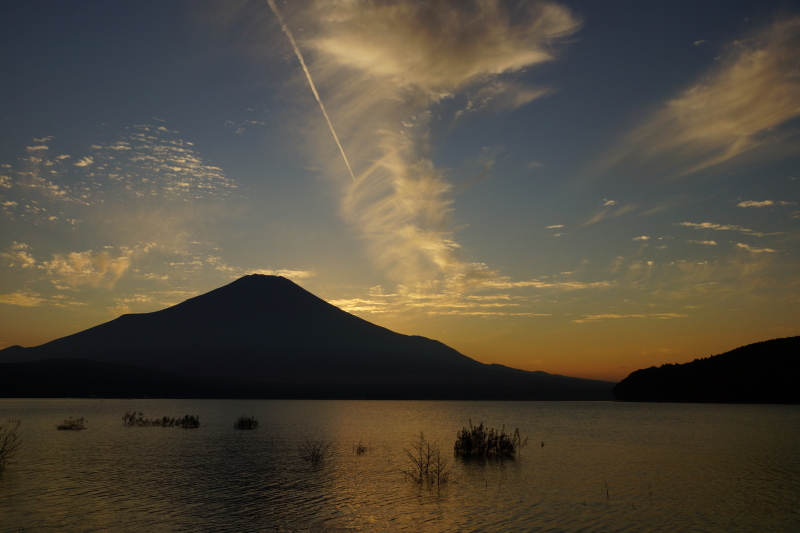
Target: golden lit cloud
751,203
21,298
735,109
754,250
438,47
381,68
291,274
724,227
657,316
87,268
19,255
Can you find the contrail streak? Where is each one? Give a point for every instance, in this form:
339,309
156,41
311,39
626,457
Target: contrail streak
288,33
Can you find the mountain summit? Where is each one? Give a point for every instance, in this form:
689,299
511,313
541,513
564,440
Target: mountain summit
267,329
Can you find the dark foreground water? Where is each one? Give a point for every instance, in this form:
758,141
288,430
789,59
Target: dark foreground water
603,467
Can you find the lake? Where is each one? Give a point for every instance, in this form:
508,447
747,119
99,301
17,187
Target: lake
604,466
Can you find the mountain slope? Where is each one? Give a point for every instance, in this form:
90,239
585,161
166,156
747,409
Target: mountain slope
254,328
764,372
268,330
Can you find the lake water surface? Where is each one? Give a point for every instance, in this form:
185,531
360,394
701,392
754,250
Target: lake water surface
604,467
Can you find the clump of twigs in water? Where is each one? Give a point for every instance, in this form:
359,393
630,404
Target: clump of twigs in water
185,422
72,424
246,422
189,422
10,440
315,451
361,448
426,464
480,441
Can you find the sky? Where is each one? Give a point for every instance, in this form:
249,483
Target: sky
584,188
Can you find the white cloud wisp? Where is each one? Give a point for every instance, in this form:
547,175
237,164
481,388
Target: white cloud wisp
737,109
382,68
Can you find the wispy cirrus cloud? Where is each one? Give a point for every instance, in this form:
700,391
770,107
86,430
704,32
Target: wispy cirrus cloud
656,316
22,298
607,210
739,108
440,47
754,250
753,203
382,68
445,304
724,227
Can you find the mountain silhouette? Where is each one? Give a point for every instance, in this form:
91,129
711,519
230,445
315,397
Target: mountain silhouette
268,330
764,372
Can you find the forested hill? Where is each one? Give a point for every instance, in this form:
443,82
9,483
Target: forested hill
764,372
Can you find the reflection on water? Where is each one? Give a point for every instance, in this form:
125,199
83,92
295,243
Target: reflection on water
666,467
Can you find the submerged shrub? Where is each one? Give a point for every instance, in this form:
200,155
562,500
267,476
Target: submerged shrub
479,441
10,440
187,422
315,451
246,422
361,448
426,464
72,424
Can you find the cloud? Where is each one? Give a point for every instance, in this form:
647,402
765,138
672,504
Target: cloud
608,202
505,283
85,162
24,299
724,227
439,47
147,161
291,274
698,43
443,303
502,95
18,255
607,212
642,238
97,269
707,243
751,203
382,68
657,316
144,183
130,218
738,108
753,250
554,227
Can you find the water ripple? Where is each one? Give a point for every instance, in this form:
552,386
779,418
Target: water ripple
666,467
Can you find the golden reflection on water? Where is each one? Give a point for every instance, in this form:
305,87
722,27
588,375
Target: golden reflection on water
603,466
